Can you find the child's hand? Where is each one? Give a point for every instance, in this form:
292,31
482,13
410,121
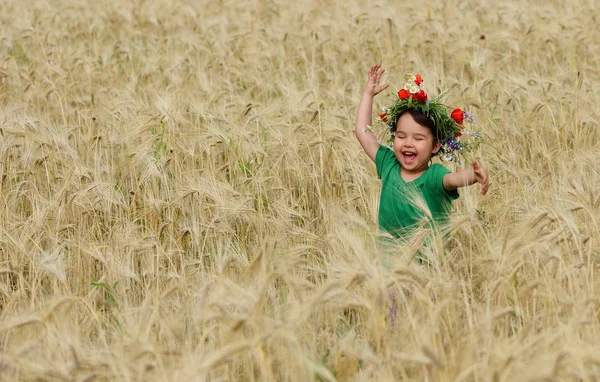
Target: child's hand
373,88
481,177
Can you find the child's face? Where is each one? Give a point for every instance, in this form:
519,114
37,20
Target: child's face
414,144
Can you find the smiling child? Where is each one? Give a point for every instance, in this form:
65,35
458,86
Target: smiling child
419,129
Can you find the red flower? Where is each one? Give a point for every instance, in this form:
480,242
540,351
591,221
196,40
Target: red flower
420,96
459,134
458,116
383,117
418,80
403,94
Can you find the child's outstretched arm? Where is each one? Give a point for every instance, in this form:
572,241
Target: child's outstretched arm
365,111
466,177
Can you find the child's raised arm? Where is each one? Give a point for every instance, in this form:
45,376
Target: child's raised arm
466,177
365,111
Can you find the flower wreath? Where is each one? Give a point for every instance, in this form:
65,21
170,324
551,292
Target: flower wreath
451,132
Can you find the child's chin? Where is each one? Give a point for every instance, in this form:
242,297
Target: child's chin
409,163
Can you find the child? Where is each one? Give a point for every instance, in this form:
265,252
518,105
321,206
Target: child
420,129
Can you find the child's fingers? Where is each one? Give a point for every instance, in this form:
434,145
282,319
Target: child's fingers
484,184
373,71
381,88
481,175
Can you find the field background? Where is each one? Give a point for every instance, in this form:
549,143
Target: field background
183,196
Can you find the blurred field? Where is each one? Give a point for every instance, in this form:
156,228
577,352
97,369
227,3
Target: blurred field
183,196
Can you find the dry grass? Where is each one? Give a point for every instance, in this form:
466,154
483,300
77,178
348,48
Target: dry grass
183,197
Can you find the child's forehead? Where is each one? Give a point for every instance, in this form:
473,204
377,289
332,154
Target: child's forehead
412,128
407,123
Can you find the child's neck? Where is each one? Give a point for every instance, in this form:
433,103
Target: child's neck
409,176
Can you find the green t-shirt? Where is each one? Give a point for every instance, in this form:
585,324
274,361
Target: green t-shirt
404,206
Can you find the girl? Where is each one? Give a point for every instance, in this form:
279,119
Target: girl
413,191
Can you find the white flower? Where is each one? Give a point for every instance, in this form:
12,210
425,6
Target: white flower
414,89
448,157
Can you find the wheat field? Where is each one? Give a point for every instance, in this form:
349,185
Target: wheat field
183,197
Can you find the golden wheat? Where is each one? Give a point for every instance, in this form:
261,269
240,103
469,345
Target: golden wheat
183,198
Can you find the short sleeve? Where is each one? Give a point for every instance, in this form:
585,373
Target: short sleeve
438,181
384,160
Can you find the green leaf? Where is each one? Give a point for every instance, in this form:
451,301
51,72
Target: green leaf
104,285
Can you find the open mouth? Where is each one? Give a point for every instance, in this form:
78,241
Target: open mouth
409,157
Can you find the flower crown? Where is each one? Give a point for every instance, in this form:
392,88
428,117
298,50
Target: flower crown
450,129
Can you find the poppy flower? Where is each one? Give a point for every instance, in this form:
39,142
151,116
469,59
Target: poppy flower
421,96
418,80
458,116
459,134
383,117
403,94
